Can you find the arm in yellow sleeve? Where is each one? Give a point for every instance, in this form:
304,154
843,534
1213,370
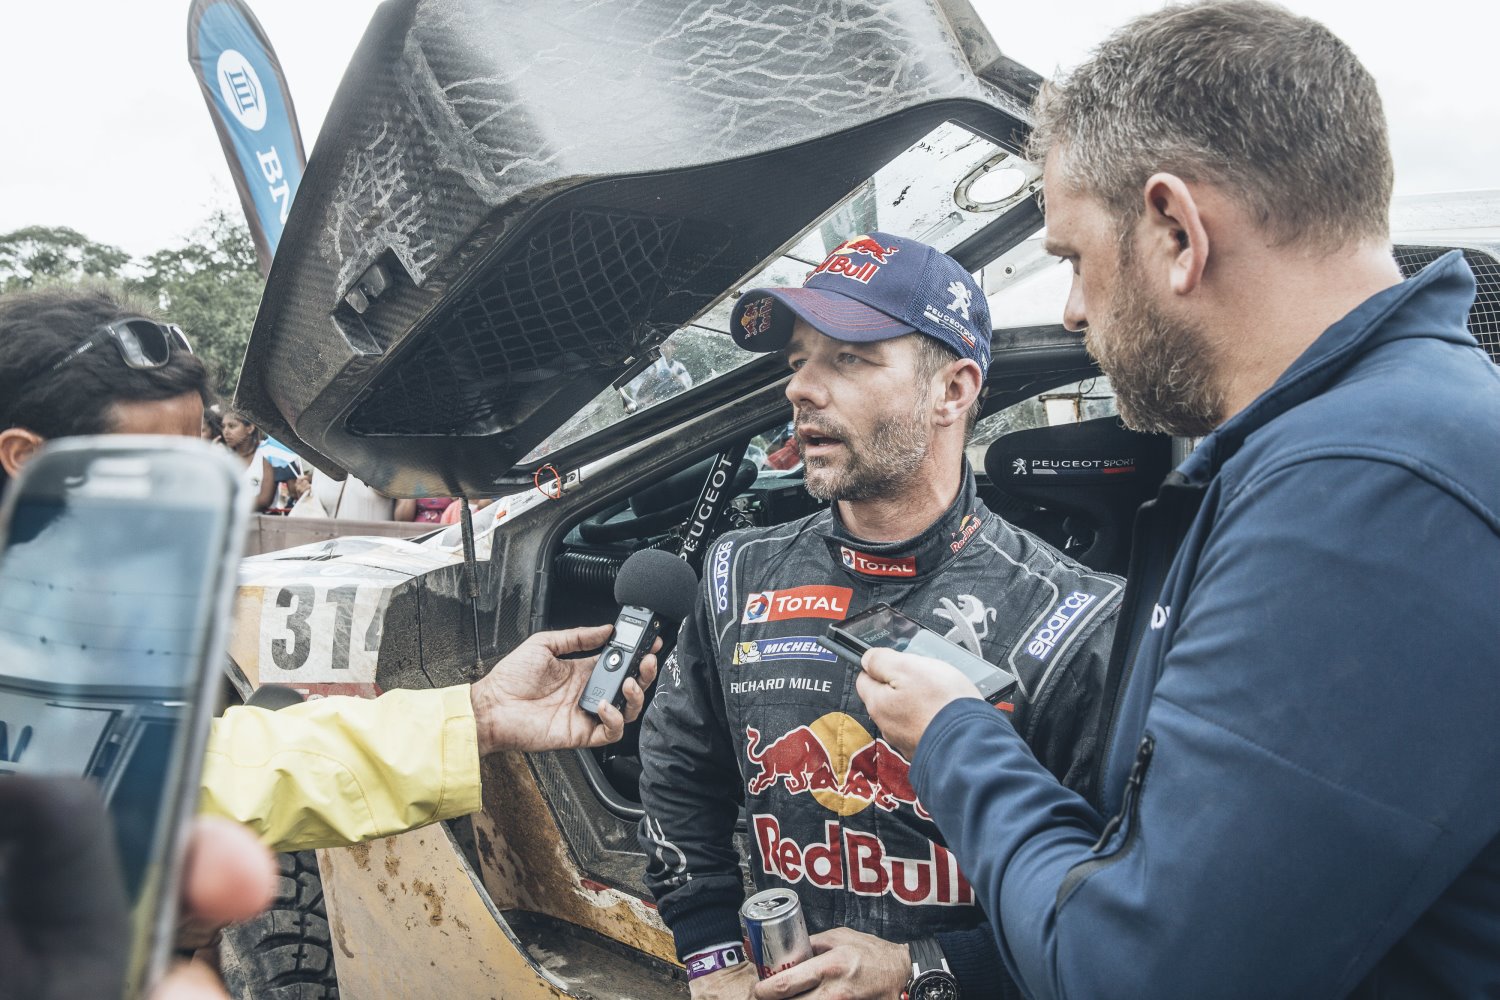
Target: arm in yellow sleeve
340,770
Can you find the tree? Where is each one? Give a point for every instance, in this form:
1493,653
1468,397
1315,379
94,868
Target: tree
40,254
211,287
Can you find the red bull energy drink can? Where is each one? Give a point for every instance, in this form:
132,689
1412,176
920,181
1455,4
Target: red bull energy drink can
775,933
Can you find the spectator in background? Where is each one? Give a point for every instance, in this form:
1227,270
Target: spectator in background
428,510
347,499
213,424
454,511
242,437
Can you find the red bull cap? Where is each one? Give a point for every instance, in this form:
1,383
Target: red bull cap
871,287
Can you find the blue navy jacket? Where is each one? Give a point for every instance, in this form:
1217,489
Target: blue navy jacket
1301,789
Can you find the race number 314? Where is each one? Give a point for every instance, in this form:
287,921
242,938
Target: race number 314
322,634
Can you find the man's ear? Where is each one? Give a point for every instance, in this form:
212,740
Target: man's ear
17,445
1173,231
962,384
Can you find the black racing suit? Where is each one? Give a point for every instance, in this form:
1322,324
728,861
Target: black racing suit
751,712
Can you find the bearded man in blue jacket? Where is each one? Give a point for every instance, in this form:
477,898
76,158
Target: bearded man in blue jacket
1299,794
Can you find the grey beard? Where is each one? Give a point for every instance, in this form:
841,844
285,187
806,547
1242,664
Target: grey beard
877,468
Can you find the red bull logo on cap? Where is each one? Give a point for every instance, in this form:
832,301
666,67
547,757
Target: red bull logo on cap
798,602
857,772
756,317
843,259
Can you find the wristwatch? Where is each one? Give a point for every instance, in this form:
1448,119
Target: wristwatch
930,978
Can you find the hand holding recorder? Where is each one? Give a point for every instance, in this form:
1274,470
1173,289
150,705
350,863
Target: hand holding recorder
654,588
529,701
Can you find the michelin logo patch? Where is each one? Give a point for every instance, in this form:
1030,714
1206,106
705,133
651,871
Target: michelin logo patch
721,576
792,647
1058,623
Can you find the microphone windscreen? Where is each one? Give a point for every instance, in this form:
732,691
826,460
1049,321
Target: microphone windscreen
657,580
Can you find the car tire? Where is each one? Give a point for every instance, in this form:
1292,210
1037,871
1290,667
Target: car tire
285,953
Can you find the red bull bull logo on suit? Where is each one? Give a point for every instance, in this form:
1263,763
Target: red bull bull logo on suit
843,768
838,762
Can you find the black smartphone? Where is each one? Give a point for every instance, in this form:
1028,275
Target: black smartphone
118,557
884,626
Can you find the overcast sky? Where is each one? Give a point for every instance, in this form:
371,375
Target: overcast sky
108,133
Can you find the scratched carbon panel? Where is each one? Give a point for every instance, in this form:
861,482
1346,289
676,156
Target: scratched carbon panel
657,150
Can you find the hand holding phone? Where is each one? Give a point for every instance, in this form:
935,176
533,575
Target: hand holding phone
117,561
883,626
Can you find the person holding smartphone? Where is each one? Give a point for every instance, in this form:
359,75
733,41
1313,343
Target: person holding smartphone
1300,795
80,361
888,343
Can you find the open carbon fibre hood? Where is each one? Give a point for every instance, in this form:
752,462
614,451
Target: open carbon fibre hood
511,202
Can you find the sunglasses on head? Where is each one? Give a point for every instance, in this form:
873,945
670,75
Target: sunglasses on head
142,343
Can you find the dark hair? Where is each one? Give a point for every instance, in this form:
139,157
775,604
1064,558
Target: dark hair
243,418
1244,94
932,357
213,417
39,328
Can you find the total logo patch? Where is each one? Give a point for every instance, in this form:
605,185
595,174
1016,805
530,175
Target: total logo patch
798,602
791,647
863,562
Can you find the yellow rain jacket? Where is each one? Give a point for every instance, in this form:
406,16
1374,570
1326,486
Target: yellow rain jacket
340,770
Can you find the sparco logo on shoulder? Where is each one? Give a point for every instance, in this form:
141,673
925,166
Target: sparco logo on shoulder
1058,623
721,576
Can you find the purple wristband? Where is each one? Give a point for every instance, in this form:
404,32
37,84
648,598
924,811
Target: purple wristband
714,960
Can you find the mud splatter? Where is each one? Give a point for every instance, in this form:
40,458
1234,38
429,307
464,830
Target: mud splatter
361,854
434,902
338,935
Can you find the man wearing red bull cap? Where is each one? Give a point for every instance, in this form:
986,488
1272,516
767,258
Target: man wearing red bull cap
888,342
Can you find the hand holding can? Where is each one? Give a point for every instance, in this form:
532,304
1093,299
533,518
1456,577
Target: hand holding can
775,933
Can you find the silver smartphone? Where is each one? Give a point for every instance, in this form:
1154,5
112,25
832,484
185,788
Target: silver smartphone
118,557
882,625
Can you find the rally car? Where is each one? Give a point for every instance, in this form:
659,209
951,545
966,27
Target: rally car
508,274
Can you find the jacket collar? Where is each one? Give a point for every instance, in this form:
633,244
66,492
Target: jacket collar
1434,303
912,559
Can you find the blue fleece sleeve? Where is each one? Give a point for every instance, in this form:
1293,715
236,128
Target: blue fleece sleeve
1324,762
